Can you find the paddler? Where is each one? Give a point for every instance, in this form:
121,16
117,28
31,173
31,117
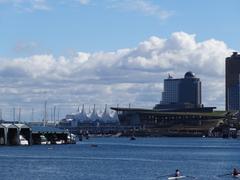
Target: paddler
177,173
235,172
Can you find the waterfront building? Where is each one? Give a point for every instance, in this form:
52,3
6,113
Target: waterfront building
181,93
232,82
180,112
155,122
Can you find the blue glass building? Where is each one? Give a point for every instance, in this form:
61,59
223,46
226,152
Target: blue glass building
233,82
182,91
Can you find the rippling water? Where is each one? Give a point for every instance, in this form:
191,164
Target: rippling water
120,159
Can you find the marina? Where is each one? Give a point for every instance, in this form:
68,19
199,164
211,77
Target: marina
12,134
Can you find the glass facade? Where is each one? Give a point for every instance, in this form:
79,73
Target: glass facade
233,97
170,93
182,91
232,82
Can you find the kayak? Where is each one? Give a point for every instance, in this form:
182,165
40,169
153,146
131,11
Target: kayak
237,176
174,177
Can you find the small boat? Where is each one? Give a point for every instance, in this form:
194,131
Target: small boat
80,138
94,145
43,140
71,138
60,142
23,141
133,138
178,177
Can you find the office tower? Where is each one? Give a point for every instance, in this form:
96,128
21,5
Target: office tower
190,90
170,92
186,90
232,82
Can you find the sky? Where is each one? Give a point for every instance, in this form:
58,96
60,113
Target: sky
74,52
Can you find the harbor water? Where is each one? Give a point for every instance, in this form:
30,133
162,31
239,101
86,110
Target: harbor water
122,159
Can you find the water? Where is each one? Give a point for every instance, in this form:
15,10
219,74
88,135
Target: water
122,159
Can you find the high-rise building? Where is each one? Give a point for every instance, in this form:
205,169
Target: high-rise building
186,90
233,82
190,90
170,92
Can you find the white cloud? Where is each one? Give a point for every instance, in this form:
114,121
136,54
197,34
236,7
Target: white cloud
145,7
28,5
131,75
83,2
40,5
142,6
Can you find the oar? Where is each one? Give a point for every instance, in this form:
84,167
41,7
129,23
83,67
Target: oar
191,177
164,175
224,174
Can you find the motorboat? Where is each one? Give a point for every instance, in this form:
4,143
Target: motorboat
23,141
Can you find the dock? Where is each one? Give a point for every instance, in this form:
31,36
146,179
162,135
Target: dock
12,134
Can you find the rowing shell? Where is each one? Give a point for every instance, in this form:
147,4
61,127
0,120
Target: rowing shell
179,177
237,176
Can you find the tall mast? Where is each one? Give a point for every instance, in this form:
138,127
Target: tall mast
54,115
45,114
32,114
1,114
19,115
14,114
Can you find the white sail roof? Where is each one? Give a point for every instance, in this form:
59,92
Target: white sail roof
94,115
82,116
106,116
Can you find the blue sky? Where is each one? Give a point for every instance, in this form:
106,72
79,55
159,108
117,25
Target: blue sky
106,25
73,52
